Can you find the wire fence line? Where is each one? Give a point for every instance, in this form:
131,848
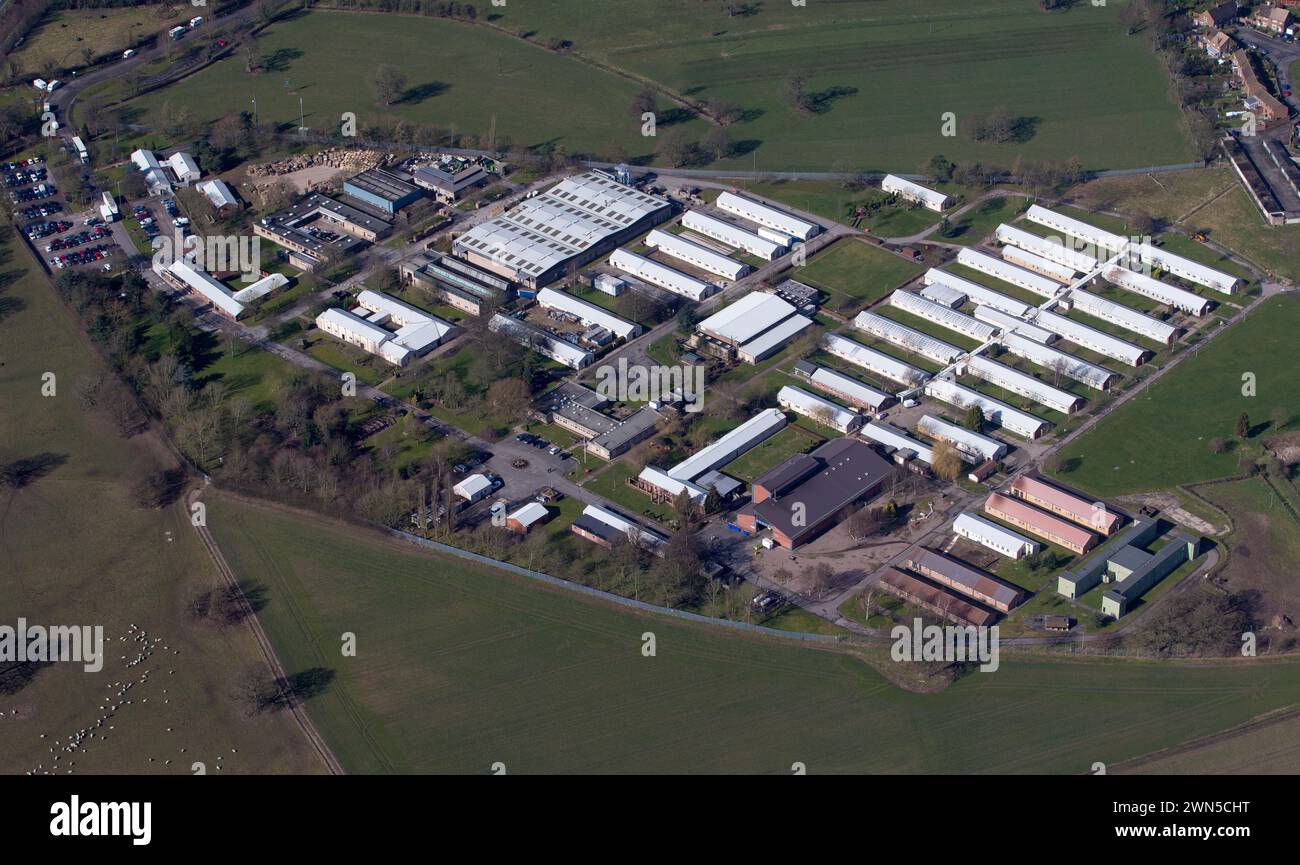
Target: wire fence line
611,597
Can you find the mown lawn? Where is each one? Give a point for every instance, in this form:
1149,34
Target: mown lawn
1161,437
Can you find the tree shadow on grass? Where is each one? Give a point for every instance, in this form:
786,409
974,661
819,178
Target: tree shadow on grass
281,59
822,101
16,675
419,93
26,471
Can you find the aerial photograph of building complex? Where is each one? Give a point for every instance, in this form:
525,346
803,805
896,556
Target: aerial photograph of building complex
869,387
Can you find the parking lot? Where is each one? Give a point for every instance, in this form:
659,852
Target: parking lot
61,239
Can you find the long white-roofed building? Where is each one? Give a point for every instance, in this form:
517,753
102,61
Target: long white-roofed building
976,293
763,214
822,410
732,235
1125,316
1161,292
661,275
941,315
996,537
1008,273
1091,338
1095,377
417,332
850,390
974,447
905,337
892,437
696,255
874,361
538,340
1042,247
364,334
996,412
605,527
667,484
1029,261
1078,229
1023,384
922,195
1012,324
1185,268
945,295
184,274
587,313
574,222
261,288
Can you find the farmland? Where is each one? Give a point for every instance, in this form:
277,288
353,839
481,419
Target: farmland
877,76
1199,400
75,548
459,667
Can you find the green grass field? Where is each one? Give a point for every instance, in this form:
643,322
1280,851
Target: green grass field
829,199
857,274
459,667
880,78
769,454
1161,437
76,549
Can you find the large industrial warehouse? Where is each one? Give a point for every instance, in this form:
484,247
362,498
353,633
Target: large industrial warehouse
756,326
574,222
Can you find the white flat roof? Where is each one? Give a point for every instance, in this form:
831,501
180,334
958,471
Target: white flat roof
850,388
730,234
1076,228
1023,383
941,315
1012,324
747,317
930,197
1192,271
1090,338
896,438
870,359
1124,316
968,442
1170,295
799,400
975,527
696,254
1043,247
201,282
620,524
660,274
588,313
764,214
769,341
529,514
944,294
977,293
1050,358
261,288
1008,273
730,445
1022,423
913,340
1024,258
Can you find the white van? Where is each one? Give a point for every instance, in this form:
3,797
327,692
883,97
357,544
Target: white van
128,54
40,84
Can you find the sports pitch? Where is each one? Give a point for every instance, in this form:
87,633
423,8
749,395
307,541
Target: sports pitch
881,76
459,667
